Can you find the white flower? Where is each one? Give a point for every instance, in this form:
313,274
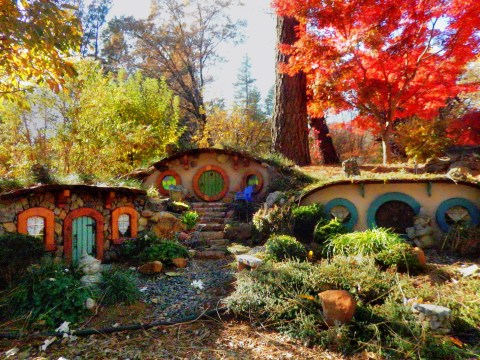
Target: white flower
66,270
146,237
197,284
47,343
64,328
143,289
51,279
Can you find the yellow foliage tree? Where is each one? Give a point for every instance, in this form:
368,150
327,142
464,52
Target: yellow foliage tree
36,37
235,129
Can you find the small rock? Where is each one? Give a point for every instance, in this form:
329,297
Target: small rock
180,262
154,267
338,306
90,304
422,259
183,236
469,271
208,254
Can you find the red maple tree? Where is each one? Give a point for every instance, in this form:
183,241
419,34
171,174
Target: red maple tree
387,59
466,130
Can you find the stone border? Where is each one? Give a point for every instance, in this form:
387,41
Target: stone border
472,209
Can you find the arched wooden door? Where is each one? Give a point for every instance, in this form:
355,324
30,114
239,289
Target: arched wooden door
83,237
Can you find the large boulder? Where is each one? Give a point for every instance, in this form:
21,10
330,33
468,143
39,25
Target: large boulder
166,225
275,198
338,306
238,231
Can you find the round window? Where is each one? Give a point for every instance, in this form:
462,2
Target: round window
169,181
252,180
341,213
344,210
457,211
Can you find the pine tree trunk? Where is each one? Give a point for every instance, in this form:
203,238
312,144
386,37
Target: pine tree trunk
289,123
324,140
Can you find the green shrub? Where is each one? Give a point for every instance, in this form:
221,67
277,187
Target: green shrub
281,247
327,230
190,219
276,220
118,286
165,250
17,252
401,255
367,242
305,218
49,293
132,248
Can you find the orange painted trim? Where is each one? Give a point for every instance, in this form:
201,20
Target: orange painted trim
226,183
49,217
258,175
162,176
67,231
133,223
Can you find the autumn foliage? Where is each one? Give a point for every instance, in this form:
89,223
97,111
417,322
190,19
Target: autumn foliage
387,59
466,130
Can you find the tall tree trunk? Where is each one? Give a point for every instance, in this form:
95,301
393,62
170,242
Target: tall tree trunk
386,147
289,123
324,140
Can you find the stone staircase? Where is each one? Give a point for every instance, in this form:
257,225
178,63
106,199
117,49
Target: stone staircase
212,219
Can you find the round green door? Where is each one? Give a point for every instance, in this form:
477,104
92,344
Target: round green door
211,183
83,235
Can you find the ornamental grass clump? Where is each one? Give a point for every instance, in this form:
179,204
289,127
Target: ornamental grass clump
363,243
190,219
119,286
401,255
282,247
164,251
326,230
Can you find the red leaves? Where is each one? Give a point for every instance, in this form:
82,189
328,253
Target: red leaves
388,59
466,130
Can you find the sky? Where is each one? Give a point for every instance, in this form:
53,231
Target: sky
259,45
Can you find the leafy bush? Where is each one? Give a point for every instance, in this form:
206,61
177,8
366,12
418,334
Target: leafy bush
463,239
327,230
401,255
118,286
17,252
281,247
49,293
190,219
305,218
276,220
367,242
165,250
132,248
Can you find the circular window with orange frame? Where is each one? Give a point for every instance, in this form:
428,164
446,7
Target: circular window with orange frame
167,179
211,183
253,178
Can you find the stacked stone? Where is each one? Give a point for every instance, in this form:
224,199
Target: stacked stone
434,317
422,232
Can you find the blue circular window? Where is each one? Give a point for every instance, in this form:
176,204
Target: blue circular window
445,218
393,210
344,206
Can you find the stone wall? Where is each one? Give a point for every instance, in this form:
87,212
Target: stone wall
151,214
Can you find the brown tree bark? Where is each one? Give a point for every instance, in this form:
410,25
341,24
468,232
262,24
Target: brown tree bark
324,140
289,123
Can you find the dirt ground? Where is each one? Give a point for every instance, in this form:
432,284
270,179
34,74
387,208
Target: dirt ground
205,339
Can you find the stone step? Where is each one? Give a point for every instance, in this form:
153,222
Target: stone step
198,205
216,215
211,210
211,220
213,227
211,235
218,242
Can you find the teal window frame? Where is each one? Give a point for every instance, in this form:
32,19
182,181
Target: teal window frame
350,207
393,196
442,209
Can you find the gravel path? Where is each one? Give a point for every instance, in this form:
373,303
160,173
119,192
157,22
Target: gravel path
174,297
